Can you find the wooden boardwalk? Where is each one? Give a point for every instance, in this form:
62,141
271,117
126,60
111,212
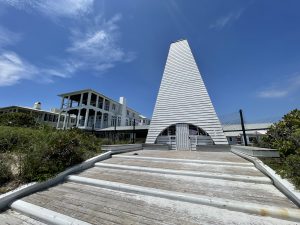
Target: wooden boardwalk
99,205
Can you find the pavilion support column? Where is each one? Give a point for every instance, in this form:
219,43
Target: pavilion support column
78,118
86,118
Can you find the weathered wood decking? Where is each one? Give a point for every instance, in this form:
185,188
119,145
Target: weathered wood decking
98,205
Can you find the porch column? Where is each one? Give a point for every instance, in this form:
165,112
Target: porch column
65,120
97,101
62,103
59,115
108,120
58,121
89,99
86,118
102,117
81,97
94,123
78,117
68,121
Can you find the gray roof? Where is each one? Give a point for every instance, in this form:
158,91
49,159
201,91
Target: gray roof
250,126
226,128
126,128
28,108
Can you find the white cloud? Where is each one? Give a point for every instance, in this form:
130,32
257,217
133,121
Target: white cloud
96,46
13,69
54,8
7,37
281,89
272,93
226,20
94,43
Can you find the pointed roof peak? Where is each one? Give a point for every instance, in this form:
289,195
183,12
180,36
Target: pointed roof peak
183,39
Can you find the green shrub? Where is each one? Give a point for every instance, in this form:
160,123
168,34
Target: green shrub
291,169
284,135
44,152
14,138
5,172
56,151
106,141
17,120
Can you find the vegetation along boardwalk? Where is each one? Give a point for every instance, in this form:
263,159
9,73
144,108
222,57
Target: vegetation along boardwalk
160,187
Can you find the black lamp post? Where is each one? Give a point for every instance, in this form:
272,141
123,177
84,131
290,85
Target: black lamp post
115,130
133,138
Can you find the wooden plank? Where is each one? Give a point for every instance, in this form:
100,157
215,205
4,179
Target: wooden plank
240,191
247,171
121,206
210,156
117,202
180,212
11,217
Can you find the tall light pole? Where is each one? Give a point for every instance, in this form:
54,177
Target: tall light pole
133,141
243,128
115,129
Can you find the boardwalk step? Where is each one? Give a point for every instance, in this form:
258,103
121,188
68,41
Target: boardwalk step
262,210
185,160
250,179
45,215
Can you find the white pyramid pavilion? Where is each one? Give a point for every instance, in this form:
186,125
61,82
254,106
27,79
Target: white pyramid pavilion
183,102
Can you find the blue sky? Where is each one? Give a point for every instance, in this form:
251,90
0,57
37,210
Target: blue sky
248,52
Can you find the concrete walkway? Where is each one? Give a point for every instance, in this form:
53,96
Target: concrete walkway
160,187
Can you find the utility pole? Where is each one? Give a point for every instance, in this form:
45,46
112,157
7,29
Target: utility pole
243,128
133,141
115,133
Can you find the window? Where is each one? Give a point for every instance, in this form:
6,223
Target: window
114,107
127,112
100,103
106,105
172,130
113,121
252,139
230,139
105,118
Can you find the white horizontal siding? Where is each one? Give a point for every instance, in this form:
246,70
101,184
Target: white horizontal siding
183,98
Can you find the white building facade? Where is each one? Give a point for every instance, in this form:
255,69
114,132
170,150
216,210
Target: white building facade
184,116
41,116
95,111
254,132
